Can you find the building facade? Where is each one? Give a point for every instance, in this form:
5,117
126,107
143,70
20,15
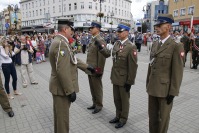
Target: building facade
151,11
10,20
183,10
38,13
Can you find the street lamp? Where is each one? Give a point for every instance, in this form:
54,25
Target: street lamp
111,14
15,8
100,14
148,8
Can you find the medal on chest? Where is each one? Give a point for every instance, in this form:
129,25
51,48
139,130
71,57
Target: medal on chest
121,48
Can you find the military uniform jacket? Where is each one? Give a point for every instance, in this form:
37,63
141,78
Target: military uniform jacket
196,47
165,70
186,42
96,57
124,63
64,78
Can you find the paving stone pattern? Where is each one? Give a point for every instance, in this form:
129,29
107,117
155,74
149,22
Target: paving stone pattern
34,112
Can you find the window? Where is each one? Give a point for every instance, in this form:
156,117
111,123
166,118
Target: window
64,7
36,4
191,10
36,12
175,0
53,1
59,8
182,12
40,2
29,6
104,8
90,5
48,9
40,11
26,6
44,11
33,13
175,13
75,6
96,6
44,2
69,7
53,9
116,2
82,5
32,4
29,14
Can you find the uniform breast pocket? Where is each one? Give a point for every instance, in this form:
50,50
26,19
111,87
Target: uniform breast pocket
121,61
165,59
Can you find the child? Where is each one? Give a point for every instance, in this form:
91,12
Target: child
38,56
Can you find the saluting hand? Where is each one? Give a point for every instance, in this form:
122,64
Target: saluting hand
127,87
169,99
72,97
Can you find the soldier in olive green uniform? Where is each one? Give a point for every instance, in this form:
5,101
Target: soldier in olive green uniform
123,73
63,81
195,52
4,100
164,77
96,57
186,43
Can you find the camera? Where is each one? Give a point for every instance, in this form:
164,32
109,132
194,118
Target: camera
25,47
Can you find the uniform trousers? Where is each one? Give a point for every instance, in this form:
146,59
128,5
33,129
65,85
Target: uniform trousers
121,100
195,58
24,69
159,114
96,90
61,105
4,99
9,69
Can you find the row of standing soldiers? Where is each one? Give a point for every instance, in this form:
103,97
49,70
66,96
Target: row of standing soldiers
191,44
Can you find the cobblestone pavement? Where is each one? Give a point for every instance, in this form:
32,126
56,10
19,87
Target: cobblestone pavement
34,112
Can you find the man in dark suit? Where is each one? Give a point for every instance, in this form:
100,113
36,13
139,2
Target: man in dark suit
164,77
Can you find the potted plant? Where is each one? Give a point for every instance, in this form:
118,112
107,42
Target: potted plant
100,14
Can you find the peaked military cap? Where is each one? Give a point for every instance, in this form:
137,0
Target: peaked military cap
67,22
123,27
96,24
163,19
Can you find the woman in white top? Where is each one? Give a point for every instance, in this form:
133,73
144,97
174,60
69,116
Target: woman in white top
8,67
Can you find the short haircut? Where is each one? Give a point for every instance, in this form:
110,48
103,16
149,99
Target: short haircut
61,27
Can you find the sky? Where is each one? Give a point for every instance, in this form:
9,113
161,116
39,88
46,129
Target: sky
136,6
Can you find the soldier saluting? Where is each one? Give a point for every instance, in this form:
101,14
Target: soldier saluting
164,77
123,73
96,57
63,80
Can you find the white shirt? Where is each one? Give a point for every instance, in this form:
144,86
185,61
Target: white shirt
4,58
164,40
122,42
34,43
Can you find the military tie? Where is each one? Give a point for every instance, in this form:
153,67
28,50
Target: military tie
159,45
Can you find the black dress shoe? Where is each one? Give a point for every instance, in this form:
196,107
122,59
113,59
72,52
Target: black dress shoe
11,114
119,125
115,120
91,107
96,111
